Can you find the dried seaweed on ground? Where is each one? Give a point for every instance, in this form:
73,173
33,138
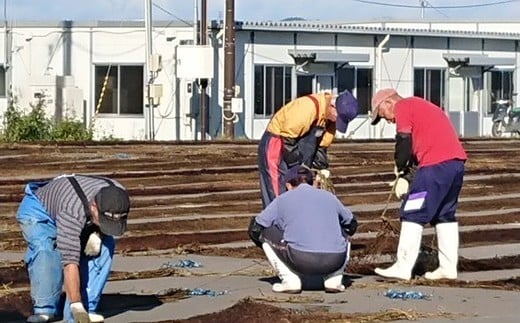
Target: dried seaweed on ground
510,284
123,275
173,294
6,289
249,310
290,299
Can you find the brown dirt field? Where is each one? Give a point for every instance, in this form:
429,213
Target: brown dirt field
183,184
247,310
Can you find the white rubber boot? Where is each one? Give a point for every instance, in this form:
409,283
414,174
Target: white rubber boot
291,283
407,252
448,244
96,318
40,318
333,283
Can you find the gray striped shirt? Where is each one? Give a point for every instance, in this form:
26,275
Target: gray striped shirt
64,205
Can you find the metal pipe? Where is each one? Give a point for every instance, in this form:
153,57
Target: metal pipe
149,122
229,69
380,61
203,82
8,59
380,74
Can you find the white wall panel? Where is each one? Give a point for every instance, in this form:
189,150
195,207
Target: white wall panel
124,128
428,52
464,45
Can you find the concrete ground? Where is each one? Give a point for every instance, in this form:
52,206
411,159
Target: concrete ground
137,301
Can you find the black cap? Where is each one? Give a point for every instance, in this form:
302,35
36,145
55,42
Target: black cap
113,204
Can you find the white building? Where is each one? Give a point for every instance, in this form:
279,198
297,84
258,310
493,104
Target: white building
462,66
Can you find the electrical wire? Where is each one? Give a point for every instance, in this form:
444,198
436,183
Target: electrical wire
400,5
434,8
171,14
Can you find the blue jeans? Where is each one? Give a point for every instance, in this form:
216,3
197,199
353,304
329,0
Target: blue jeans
43,260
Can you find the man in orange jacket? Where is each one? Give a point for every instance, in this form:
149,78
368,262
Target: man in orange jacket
300,133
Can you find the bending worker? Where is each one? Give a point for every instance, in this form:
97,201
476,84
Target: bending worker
300,133
68,224
425,133
305,231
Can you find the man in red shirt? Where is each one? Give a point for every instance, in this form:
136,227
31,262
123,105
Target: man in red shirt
426,137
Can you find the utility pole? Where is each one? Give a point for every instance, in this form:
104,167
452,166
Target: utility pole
149,73
203,82
423,5
195,21
8,68
229,69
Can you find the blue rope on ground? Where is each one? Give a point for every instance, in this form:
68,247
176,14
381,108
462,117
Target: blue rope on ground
208,292
186,263
399,294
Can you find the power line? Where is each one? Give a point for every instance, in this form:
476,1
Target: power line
388,4
434,8
171,14
400,5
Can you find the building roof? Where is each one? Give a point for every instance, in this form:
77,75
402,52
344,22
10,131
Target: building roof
96,23
432,29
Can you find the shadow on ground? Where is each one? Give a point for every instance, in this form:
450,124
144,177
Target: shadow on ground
18,306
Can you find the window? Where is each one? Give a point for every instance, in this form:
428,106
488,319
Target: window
123,92
429,85
501,87
304,84
359,82
272,88
2,82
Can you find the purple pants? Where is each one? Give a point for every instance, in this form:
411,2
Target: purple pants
434,194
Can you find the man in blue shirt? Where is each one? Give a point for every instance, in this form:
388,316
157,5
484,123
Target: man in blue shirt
303,232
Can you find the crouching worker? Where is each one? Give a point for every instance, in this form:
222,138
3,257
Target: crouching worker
69,224
305,231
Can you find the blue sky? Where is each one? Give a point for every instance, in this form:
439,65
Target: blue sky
18,10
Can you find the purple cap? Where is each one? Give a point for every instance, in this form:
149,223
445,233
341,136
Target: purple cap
347,108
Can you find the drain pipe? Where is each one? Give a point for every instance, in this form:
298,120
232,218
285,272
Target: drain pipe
380,61
380,73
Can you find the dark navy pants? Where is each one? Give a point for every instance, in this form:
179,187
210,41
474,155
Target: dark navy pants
302,262
271,167
434,194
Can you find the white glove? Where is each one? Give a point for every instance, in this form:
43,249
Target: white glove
79,313
324,172
401,184
93,246
401,187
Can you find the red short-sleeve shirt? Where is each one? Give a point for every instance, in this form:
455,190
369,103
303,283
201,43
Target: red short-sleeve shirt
434,138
